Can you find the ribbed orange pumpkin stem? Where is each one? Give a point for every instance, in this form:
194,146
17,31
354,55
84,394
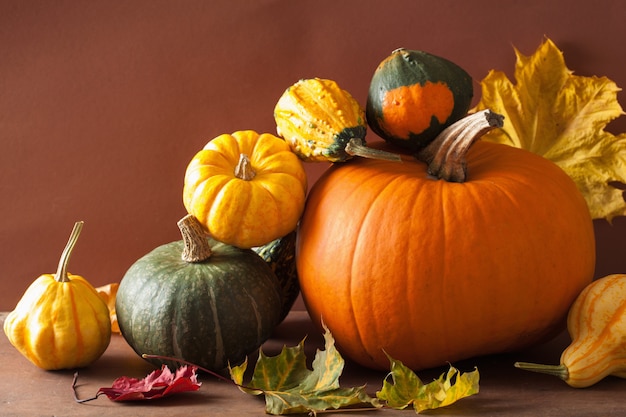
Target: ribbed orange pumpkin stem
61,274
244,170
196,245
446,155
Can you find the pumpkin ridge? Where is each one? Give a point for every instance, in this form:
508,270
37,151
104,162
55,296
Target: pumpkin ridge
239,142
255,309
349,286
358,241
502,191
197,170
444,264
256,150
274,211
212,159
219,340
276,162
223,149
266,149
69,314
268,185
172,331
416,219
93,311
199,191
224,204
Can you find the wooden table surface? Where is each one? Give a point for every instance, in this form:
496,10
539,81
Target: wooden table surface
504,390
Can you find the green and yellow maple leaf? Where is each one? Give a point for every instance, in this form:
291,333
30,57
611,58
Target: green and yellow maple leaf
562,116
290,387
406,388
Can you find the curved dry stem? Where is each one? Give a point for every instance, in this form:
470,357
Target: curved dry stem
554,370
446,155
61,274
355,147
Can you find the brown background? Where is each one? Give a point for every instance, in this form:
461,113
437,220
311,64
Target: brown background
103,103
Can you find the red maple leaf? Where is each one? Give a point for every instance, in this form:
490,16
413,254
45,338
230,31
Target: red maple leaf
157,384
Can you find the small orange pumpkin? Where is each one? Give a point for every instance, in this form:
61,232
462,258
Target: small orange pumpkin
246,189
485,260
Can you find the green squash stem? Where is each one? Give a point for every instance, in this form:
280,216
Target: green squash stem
446,154
196,245
554,370
61,274
356,147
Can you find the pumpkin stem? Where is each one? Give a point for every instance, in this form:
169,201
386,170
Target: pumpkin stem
61,274
197,248
244,170
446,155
554,370
356,147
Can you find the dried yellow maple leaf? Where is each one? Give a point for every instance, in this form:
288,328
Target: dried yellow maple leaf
561,116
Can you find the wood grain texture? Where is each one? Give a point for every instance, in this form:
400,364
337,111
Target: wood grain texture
504,391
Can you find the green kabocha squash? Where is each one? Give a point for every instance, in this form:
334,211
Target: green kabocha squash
280,255
414,95
199,300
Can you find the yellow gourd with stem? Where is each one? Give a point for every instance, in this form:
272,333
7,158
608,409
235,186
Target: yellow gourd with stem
60,322
597,325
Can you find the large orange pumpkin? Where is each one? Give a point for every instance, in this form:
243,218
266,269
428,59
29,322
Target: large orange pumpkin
430,271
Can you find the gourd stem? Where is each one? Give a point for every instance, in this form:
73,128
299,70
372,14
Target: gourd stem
554,370
61,274
196,245
355,147
446,155
244,170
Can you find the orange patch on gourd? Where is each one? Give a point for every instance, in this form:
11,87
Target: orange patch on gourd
409,109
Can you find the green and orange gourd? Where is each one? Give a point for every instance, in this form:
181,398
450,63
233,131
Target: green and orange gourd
414,95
